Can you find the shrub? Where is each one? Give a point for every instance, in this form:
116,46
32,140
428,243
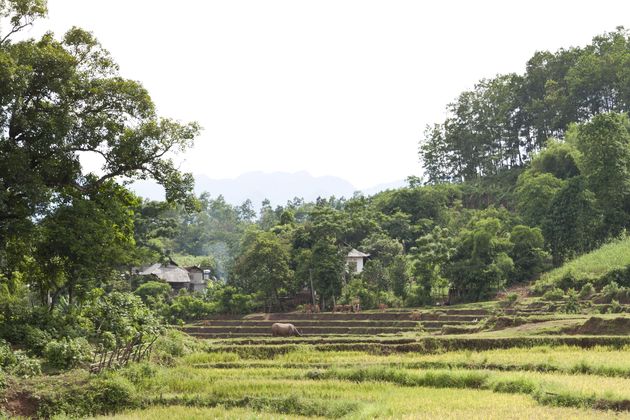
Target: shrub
190,307
153,292
67,353
568,280
587,291
615,307
554,294
623,295
138,373
510,299
610,290
527,253
111,394
35,339
7,356
369,298
227,299
389,299
18,362
418,295
26,367
358,289
572,306
105,394
621,276
22,332
173,344
121,314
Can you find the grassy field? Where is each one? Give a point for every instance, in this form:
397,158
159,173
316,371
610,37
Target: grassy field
491,374
615,255
603,361
524,361
540,382
528,359
386,401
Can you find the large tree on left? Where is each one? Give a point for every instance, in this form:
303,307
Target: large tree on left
63,99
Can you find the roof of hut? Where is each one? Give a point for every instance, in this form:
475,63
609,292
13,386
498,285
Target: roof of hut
169,273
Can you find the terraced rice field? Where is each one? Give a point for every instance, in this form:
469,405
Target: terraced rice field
474,363
538,382
325,324
530,319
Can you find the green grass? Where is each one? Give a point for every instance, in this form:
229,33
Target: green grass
390,401
540,382
199,413
591,266
426,345
602,361
304,382
583,391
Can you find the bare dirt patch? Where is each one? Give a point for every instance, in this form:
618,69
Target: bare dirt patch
602,326
20,404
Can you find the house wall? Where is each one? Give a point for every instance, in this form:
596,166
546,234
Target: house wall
195,276
359,265
357,262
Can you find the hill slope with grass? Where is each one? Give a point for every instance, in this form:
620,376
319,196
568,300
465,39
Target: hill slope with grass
601,267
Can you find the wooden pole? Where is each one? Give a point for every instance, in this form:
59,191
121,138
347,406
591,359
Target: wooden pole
310,276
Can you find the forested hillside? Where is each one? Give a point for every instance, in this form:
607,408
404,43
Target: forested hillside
503,121
527,171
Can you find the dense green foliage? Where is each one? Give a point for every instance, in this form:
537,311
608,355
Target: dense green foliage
502,121
66,233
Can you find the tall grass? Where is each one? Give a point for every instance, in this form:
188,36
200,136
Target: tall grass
591,266
599,360
305,382
557,390
427,345
432,379
389,401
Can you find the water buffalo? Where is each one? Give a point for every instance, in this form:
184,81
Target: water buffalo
284,330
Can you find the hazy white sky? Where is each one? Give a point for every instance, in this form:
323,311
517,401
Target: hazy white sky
334,87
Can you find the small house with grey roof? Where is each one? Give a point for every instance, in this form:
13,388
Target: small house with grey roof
355,261
194,279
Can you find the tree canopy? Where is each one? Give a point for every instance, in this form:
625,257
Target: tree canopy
503,121
61,99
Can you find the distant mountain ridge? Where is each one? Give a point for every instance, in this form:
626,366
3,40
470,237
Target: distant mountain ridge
278,187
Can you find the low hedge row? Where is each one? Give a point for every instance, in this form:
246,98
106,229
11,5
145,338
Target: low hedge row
428,345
